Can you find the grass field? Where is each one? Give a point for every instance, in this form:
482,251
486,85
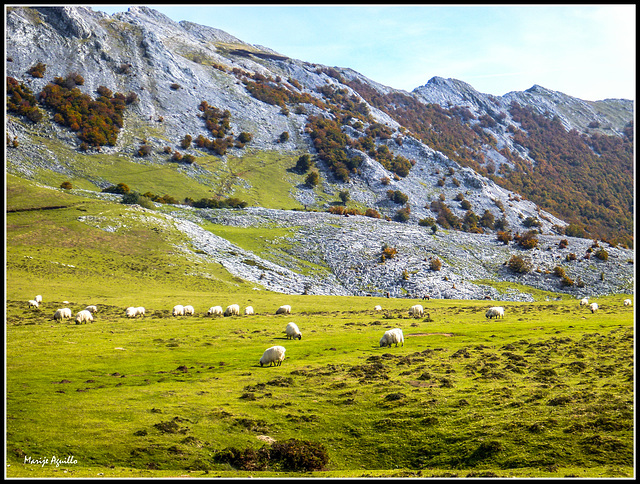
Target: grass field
548,391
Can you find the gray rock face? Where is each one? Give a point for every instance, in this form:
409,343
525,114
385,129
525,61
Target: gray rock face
346,252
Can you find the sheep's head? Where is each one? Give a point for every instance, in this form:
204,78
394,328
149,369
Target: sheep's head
299,337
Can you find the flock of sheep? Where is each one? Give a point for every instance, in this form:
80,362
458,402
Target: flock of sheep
275,354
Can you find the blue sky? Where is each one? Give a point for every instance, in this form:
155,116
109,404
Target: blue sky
586,51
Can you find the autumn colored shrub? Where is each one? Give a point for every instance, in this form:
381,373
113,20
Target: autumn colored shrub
563,244
370,212
518,265
97,122
37,70
435,264
528,240
144,150
284,137
185,143
388,252
66,185
20,100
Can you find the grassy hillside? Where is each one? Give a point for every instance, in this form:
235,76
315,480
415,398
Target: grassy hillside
546,392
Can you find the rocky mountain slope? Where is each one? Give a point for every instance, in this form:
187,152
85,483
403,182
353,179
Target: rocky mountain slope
172,67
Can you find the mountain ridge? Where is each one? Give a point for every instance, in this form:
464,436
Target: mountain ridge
172,67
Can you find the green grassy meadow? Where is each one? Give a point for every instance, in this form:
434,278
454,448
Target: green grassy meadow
548,391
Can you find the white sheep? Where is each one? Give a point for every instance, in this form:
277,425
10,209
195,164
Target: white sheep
178,310
292,331
392,336
377,308
188,310
584,301
140,311
84,316
131,312
495,312
273,356
232,310
593,307
62,313
248,310
215,311
92,309
33,303
627,302
38,299
286,309
416,311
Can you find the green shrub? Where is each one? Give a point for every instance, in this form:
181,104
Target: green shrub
313,179
303,164
397,197
66,185
427,222
119,189
403,214
284,137
245,137
602,254
134,198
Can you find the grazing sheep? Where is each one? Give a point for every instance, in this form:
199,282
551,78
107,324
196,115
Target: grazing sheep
416,311
292,331
232,310
286,309
33,303
178,310
84,316
273,356
248,310
92,309
63,313
188,310
627,302
215,311
131,312
584,301
140,311
38,299
378,308
495,312
392,336
593,307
